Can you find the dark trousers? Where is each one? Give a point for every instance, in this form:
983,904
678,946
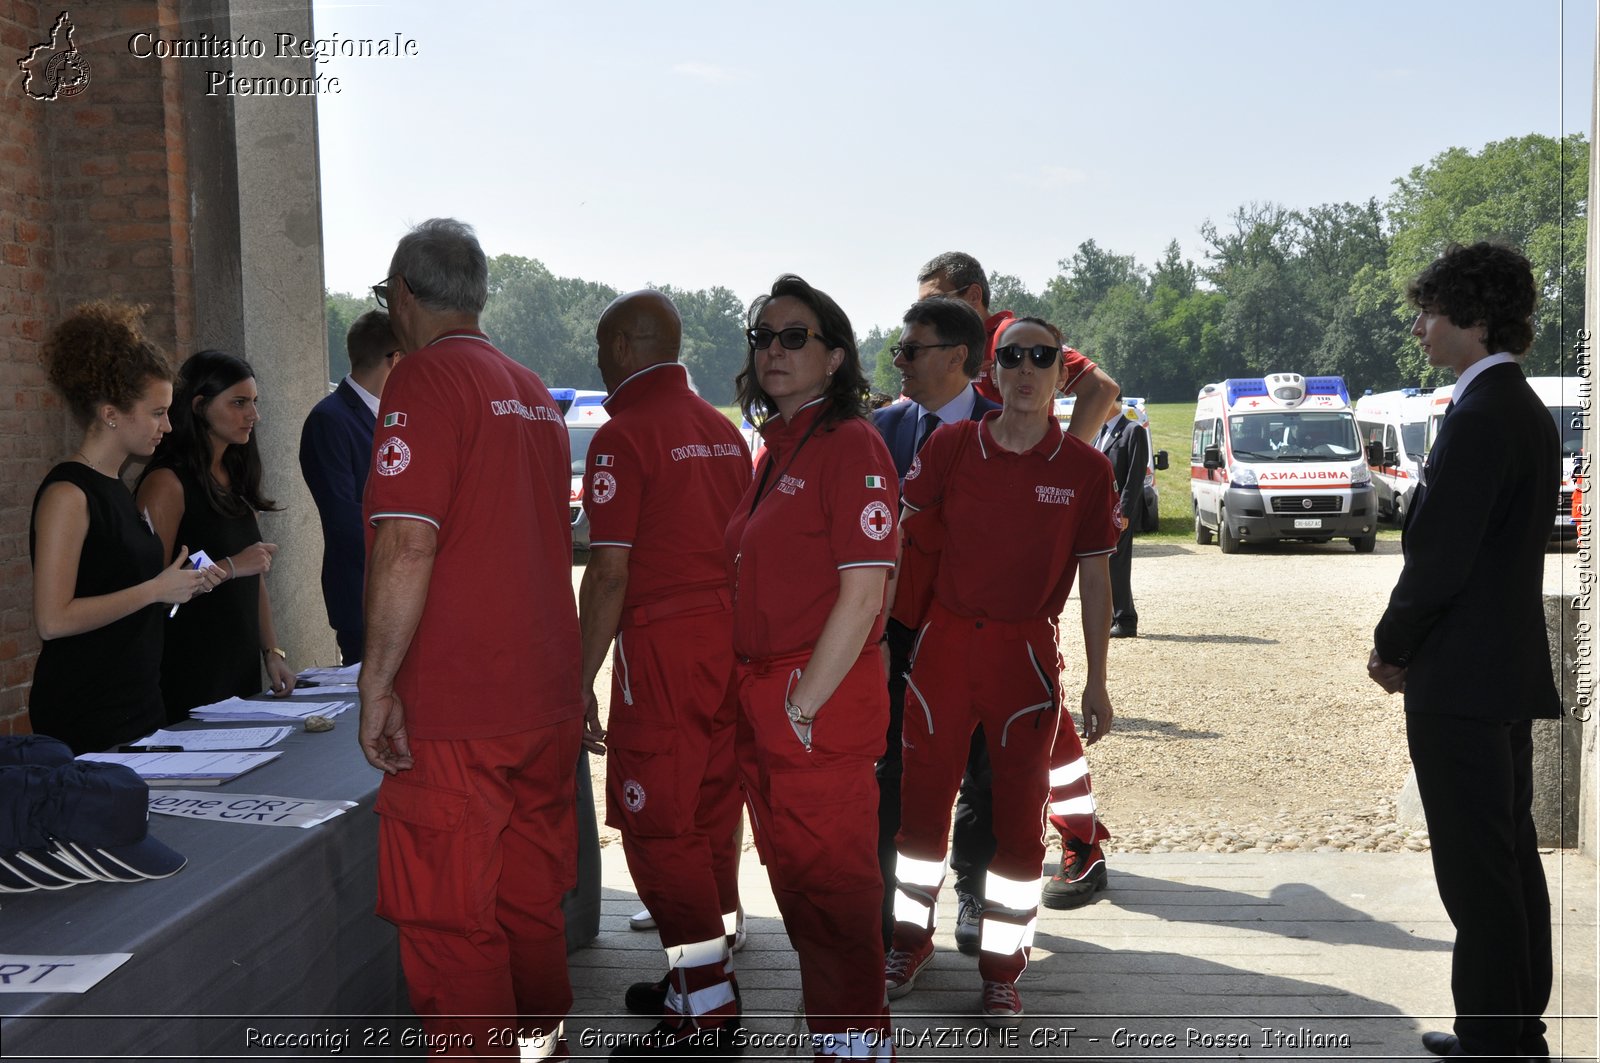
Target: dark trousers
972,844
1475,778
349,645
1122,610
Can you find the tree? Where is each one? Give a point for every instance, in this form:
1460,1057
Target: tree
1530,191
341,311
1264,324
878,362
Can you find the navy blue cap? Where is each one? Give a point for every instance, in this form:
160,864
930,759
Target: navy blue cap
92,817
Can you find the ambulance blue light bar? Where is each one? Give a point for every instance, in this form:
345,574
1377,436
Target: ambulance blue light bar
1236,388
1328,385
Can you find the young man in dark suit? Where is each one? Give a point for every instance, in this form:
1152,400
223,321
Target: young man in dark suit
1124,441
942,347
335,454
1464,639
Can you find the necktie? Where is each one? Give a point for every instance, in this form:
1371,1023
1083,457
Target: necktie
930,421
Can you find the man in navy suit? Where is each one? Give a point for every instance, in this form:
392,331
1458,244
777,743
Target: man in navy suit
1464,639
335,454
1124,441
941,348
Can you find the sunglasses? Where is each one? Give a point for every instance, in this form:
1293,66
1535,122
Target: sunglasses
1042,355
380,292
909,351
792,338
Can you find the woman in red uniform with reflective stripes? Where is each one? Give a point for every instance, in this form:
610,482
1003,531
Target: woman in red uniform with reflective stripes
1025,507
811,544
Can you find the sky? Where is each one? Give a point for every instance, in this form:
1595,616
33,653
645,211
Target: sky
722,143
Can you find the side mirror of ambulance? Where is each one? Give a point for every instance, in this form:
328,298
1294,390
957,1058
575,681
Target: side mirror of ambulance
1375,454
1213,458
1161,461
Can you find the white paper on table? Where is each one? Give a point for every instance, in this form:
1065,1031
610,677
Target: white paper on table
57,974
210,765
262,810
348,674
340,690
217,738
274,711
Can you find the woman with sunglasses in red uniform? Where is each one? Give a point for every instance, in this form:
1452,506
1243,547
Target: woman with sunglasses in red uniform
811,546
1025,507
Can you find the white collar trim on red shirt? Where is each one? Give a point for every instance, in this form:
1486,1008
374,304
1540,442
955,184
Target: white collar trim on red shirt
642,372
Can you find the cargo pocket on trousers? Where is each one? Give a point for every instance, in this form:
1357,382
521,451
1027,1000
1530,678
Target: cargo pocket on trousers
824,828
645,784
426,863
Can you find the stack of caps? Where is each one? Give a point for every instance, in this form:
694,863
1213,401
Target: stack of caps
64,822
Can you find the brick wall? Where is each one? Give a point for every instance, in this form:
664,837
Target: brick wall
93,204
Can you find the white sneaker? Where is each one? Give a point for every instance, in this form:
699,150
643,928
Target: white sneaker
642,920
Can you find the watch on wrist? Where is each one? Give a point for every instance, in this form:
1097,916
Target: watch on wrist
279,650
797,714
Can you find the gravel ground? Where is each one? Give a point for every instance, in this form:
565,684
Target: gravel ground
1244,717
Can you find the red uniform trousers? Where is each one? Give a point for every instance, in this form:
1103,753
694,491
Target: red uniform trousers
815,818
1072,807
672,787
1006,677
477,843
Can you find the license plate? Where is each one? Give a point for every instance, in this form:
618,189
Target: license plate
1308,522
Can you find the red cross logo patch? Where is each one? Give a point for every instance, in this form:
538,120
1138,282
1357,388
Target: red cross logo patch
605,487
393,456
633,795
877,521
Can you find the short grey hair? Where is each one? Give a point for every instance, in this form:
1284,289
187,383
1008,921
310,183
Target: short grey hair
444,266
957,269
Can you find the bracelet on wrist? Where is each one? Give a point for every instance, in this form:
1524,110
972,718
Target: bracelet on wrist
232,572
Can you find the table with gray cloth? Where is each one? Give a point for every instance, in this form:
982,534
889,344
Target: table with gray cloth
266,931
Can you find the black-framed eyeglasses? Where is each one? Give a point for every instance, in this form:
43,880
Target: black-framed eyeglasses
1042,355
909,351
380,292
792,338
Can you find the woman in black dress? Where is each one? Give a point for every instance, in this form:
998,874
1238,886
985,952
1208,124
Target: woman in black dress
204,489
100,590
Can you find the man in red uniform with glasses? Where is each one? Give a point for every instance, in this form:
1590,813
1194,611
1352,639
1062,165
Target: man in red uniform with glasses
663,477
470,700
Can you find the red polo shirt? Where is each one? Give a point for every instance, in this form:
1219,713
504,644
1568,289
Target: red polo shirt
664,475
471,442
829,503
1077,364
1015,524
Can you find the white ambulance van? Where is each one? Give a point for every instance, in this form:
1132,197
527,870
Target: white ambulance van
1398,422
1278,457
1563,397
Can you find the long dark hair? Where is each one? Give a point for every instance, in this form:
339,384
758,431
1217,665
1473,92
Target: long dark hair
188,447
846,392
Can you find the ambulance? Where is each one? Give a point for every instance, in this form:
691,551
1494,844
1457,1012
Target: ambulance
1278,458
1398,422
1564,397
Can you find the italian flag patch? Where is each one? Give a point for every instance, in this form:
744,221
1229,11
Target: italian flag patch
877,481
602,460
394,420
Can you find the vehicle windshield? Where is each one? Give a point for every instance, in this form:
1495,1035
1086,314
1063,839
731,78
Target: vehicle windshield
1569,420
1294,435
580,437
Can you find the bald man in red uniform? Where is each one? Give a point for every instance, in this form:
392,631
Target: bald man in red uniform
663,477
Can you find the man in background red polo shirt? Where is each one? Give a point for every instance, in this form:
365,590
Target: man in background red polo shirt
1082,873
663,477
470,702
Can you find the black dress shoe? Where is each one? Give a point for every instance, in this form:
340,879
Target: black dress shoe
1442,1044
1124,631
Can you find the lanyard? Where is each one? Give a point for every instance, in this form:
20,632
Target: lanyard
766,467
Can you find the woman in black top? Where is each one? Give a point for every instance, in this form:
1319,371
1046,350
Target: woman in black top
203,488
100,590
